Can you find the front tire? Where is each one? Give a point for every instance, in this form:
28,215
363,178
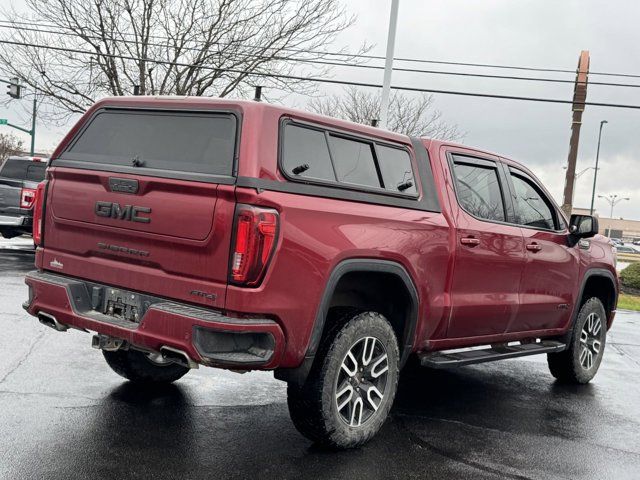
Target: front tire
141,367
579,363
351,386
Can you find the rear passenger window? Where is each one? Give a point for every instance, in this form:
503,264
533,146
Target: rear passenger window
306,153
395,166
478,191
354,161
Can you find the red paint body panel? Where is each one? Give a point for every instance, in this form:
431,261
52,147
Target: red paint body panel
468,295
156,328
313,242
548,280
486,276
189,245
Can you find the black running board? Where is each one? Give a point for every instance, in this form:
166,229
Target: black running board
498,352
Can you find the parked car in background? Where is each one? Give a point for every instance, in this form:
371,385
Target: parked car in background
616,241
19,177
627,249
247,236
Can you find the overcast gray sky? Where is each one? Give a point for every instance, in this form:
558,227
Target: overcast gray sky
538,33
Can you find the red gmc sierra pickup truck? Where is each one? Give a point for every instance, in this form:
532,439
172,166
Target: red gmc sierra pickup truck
242,235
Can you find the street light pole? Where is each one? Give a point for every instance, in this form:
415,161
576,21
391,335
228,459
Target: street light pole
388,64
613,200
595,173
613,204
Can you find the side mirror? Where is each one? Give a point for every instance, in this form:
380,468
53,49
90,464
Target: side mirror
583,226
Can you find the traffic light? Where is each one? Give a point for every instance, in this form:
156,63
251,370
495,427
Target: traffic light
14,89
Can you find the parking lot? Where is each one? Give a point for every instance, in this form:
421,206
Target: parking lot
65,414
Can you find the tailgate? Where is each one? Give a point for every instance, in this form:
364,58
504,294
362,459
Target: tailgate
16,173
148,227
10,196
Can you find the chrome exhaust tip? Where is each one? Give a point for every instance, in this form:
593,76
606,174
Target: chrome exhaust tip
177,356
51,322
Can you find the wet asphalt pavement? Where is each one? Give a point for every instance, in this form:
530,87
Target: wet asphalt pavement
64,414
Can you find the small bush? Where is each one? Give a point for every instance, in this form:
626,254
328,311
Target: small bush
630,276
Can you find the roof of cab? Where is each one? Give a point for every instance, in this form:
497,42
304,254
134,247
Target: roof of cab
434,143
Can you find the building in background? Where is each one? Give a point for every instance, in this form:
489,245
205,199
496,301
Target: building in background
619,227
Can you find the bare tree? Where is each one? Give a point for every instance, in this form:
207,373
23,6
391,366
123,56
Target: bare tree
9,145
411,115
167,47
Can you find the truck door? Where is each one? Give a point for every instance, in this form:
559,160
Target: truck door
552,267
489,255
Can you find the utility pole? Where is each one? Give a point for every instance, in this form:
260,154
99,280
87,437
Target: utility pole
595,174
579,99
388,64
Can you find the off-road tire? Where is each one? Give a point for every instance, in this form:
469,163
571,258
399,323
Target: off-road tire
314,407
567,365
137,367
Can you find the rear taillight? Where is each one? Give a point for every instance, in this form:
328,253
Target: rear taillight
27,197
256,230
38,208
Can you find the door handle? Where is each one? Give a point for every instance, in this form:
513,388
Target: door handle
534,247
470,241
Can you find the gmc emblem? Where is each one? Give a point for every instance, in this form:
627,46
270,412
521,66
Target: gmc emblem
129,213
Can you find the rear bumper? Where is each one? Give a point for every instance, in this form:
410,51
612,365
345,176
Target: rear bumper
208,337
15,221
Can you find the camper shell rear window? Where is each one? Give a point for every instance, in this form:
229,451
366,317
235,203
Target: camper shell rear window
147,140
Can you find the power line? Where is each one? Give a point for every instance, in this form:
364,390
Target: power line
378,57
331,81
344,64
349,55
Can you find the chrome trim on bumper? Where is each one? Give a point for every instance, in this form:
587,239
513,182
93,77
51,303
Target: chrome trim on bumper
8,221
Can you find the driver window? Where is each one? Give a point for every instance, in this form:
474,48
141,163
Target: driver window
478,191
531,207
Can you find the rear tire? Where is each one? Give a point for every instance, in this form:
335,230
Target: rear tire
138,367
579,363
352,384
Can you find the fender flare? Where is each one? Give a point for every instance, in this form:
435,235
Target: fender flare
593,272
299,374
